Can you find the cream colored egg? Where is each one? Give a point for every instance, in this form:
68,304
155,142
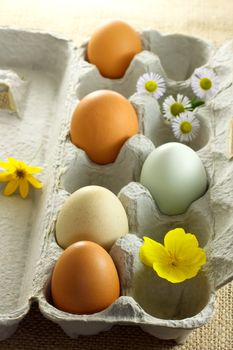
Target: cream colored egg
92,213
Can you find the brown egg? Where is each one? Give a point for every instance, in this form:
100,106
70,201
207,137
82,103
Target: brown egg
101,124
84,279
112,47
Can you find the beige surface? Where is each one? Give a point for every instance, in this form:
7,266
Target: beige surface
213,20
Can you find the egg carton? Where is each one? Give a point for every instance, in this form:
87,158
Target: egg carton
56,79
12,92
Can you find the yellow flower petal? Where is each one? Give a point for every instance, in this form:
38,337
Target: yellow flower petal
11,187
13,162
34,182
173,237
190,270
151,251
23,188
5,176
169,272
197,257
180,258
33,169
179,243
19,174
6,165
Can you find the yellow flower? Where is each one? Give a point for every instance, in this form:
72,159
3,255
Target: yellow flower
179,259
18,174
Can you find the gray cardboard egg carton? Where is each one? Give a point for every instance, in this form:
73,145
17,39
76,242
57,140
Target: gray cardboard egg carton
55,83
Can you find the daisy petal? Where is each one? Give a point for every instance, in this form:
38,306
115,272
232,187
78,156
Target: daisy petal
151,84
11,187
34,182
172,108
204,83
185,127
23,188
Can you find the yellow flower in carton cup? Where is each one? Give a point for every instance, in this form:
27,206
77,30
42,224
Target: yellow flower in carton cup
180,257
18,175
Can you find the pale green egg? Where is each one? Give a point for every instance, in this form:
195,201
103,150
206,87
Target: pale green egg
175,176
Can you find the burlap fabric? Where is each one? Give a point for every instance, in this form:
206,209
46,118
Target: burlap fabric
37,333
210,19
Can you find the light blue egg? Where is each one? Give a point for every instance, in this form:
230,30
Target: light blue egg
175,177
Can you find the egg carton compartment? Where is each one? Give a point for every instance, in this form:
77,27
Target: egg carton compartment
171,322
73,324
190,304
146,219
67,168
159,54
80,171
174,57
167,311
127,309
152,125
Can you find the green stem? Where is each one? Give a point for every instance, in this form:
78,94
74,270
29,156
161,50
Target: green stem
196,103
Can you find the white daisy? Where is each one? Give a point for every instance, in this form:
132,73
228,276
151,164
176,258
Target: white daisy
151,84
204,83
185,127
172,107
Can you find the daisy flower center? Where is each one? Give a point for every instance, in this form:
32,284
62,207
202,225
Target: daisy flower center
20,173
205,83
186,127
176,108
151,86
